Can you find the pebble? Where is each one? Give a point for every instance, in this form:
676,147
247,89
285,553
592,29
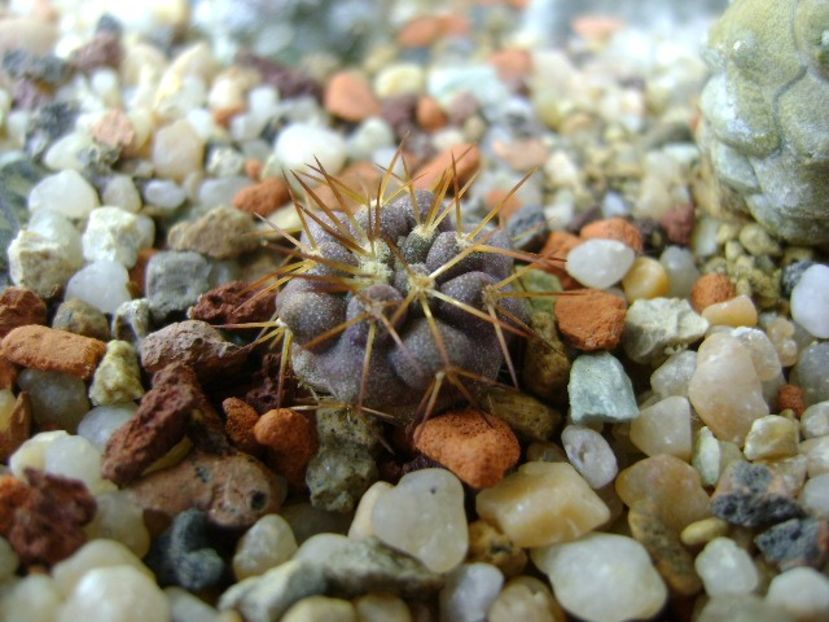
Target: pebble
664,428
528,599
46,349
476,448
469,592
546,367
657,328
39,263
467,160
673,376
131,321
268,543
725,390
98,425
599,263
671,485
177,150
681,269
646,279
703,531
15,422
814,497
810,373
809,301
752,495
348,95
222,233
267,597
59,229
591,319
264,198
292,441
165,194
399,79
103,284
115,594
603,577
338,475
614,229
790,397
725,568
796,542
120,519
73,457
117,378
20,306
771,437
424,516
542,503
590,454
315,608
802,592
306,521
79,317
66,193
57,400
299,145
738,311
711,289
742,608
174,281
379,607
600,390
114,234
487,544
8,561
94,554
185,607
120,191
527,416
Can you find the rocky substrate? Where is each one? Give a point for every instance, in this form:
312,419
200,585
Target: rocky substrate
665,454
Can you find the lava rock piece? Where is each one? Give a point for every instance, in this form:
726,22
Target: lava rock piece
182,555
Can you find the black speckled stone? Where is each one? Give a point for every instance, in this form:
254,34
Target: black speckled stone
750,495
791,275
796,542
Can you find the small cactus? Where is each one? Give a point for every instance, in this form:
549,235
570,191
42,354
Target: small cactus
400,307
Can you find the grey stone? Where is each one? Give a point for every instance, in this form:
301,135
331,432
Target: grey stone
370,566
528,229
79,317
600,390
222,233
265,598
17,178
174,281
796,542
657,328
339,475
791,275
131,321
809,373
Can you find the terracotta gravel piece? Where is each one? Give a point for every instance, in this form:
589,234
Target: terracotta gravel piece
711,289
591,319
790,396
13,494
240,419
467,161
48,349
292,442
557,247
348,95
263,198
20,306
430,115
614,229
479,449
678,223
233,303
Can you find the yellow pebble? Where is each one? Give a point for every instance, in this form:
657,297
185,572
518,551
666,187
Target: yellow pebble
647,278
703,531
739,311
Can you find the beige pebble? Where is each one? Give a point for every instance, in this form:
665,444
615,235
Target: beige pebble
771,437
177,150
647,278
739,311
703,531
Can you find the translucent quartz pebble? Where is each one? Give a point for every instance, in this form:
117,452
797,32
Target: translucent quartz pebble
32,453
185,607
810,301
66,193
803,592
815,420
36,595
103,284
178,150
94,554
58,400
114,234
725,568
121,192
600,263
361,524
725,389
664,428
300,143
119,518
647,278
267,543
814,497
674,375
424,516
115,594
320,547
739,311
771,437
98,425
763,354
76,458
164,193
382,607
590,454
468,593
603,577
527,599
542,503
682,272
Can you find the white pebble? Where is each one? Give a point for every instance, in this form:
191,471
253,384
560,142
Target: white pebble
600,263
269,542
94,554
116,594
318,548
814,497
121,192
763,354
803,592
103,284
119,518
178,150
810,301
164,193
64,153
36,595
67,193
469,592
368,137
725,568
41,264
424,516
664,428
60,230
32,453
99,424
185,607
300,144
603,577
76,458
815,420
361,523
674,375
113,234
382,607
590,454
